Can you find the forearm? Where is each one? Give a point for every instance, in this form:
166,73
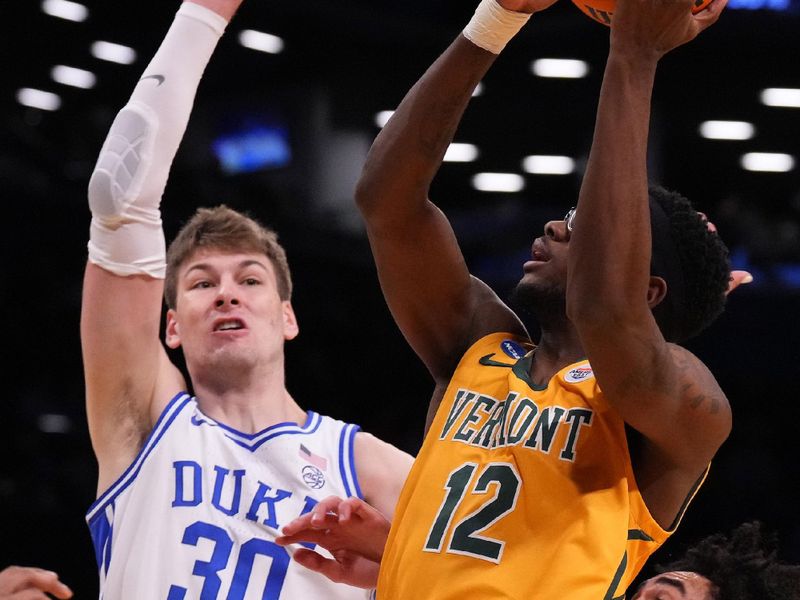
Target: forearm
612,223
409,150
132,169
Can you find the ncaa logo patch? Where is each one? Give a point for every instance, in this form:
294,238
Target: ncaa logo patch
579,374
313,477
512,349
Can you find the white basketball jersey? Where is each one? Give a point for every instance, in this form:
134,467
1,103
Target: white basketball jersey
195,515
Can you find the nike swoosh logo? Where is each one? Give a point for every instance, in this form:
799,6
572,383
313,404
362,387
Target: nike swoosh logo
159,78
198,421
487,361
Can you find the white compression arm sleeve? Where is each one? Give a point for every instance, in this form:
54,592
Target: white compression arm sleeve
128,181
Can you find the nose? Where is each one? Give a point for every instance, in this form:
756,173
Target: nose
556,231
226,295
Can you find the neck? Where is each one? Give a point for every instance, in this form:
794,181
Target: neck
558,347
250,401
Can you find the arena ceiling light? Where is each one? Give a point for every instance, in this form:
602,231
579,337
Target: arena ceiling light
564,68
111,52
260,41
461,153
783,97
383,117
72,76
547,164
498,182
63,9
727,130
478,90
38,99
769,162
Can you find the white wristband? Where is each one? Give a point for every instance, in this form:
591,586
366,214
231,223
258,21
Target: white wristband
492,26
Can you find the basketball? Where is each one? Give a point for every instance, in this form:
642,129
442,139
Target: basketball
601,10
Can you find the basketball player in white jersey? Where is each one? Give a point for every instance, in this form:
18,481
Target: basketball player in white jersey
192,490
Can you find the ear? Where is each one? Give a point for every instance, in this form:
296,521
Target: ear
656,291
172,338
290,327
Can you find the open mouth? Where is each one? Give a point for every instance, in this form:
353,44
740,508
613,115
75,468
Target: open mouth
539,256
229,325
538,252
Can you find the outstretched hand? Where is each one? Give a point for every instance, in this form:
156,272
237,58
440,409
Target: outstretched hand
351,530
651,28
31,583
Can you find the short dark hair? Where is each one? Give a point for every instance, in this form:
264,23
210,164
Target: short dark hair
222,228
741,566
692,260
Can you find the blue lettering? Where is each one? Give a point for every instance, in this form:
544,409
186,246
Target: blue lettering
196,471
219,482
260,498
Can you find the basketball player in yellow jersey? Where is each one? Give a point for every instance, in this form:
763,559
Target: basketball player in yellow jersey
549,472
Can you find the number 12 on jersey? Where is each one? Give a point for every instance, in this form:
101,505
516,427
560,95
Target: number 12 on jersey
465,538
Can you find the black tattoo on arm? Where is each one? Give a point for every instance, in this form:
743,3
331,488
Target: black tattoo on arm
698,386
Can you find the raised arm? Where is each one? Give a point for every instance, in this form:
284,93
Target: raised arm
129,378
436,303
660,389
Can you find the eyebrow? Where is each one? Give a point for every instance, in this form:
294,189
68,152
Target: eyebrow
242,265
676,583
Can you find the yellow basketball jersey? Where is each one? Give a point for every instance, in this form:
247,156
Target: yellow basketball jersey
518,491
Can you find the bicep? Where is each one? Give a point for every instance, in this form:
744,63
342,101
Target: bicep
439,307
124,361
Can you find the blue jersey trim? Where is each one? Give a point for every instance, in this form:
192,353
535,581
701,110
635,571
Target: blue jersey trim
175,406
347,465
289,425
313,422
101,533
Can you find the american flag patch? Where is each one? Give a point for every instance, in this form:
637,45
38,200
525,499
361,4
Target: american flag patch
318,461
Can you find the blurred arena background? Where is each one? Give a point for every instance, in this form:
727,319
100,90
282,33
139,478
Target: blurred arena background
281,127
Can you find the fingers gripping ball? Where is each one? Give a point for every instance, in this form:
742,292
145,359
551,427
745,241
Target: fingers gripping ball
602,10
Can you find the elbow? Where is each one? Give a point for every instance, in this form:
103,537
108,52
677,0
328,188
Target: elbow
366,192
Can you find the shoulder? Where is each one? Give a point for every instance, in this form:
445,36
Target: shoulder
371,451
490,313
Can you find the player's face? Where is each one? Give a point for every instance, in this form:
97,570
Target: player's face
546,272
228,309
676,585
